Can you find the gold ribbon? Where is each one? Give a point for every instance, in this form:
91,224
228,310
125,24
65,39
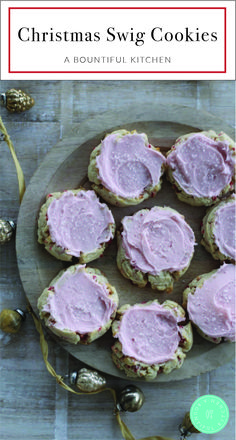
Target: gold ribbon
20,175
127,435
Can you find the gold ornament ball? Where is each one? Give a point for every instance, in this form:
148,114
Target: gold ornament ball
17,101
187,424
131,399
6,230
10,320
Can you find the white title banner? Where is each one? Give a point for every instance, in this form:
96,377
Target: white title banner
117,40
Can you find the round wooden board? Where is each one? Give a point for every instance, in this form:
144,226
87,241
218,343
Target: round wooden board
65,167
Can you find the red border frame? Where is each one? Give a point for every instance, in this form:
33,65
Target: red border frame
66,71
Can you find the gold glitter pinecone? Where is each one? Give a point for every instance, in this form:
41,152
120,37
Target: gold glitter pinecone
6,230
17,101
88,381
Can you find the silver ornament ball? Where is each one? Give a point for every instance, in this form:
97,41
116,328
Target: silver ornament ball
131,399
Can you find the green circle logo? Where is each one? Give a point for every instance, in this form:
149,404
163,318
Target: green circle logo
209,414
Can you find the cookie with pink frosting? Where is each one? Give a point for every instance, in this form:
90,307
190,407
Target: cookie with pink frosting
125,168
79,305
155,246
201,167
210,302
218,230
151,338
76,224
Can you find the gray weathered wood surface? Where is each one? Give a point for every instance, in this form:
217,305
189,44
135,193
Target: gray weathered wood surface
33,406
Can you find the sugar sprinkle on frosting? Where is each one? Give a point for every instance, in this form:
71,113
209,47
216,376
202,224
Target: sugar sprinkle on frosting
79,302
202,166
224,229
212,306
127,164
149,333
78,222
157,240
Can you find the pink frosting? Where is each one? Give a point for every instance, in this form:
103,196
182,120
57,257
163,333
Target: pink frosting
202,166
79,303
149,333
79,222
157,240
224,230
212,307
127,164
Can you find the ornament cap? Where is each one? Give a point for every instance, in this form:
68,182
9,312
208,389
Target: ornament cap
12,224
73,377
4,99
21,313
